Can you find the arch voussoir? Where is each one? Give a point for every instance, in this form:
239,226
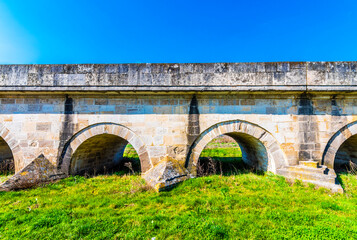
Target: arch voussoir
81,138
229,128
352,129
145,162
123,132
206,139
346,133
136,143
116,131
111,129
250,130
75,144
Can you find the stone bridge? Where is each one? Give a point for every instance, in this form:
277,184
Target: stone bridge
296,119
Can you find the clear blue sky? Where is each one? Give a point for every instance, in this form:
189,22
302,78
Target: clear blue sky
114,31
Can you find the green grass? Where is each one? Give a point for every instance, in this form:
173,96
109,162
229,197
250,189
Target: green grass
129,152
244,206
4,177
226,158
224,152
241,206
213,149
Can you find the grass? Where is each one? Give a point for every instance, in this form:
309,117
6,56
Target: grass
239,206
220,157
242,206
223,152
6,169
4,177
129,152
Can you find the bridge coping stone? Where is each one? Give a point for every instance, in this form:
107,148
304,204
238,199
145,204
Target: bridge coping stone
275,76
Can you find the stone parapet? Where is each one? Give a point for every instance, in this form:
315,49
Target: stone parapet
278,76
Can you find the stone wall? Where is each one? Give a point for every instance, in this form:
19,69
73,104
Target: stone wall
302,125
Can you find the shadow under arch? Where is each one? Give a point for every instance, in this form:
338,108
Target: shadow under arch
105,129
12,143
335,142
250,137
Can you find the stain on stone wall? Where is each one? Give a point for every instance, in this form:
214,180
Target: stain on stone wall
308,128
347,152
67,129
193,129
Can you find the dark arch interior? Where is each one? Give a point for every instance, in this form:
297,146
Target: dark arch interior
6,159
346,156
232,153
104,153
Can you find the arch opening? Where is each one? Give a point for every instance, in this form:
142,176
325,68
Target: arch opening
104,154
260,150
7,164
339,153
232,153
346,156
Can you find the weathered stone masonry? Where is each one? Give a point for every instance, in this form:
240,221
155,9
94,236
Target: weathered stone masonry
80,117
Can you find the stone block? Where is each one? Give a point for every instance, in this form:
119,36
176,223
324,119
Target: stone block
8,101
45,126
157,151
271,110
167,173
45,143
101,102
296,77
34,108
264,79
283,67
40,170
279,78
145,162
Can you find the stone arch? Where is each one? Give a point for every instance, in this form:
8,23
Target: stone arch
14,146
248,135
103,129
335,142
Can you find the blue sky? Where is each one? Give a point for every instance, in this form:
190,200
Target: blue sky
113,31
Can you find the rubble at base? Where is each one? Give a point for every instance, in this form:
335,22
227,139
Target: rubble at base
40,170
166,174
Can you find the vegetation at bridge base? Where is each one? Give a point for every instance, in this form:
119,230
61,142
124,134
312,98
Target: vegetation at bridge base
7,169
223,160
241,206
4,177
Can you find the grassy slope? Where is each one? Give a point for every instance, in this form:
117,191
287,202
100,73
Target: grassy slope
241,206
